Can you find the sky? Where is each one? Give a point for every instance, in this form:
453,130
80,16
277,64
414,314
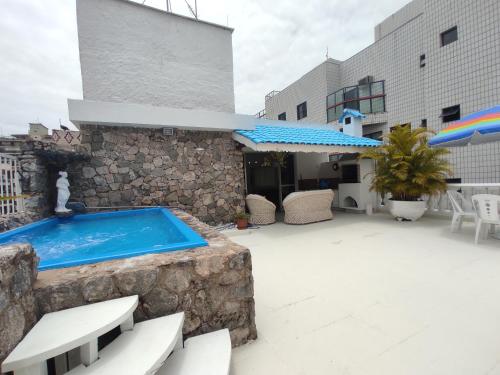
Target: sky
274,43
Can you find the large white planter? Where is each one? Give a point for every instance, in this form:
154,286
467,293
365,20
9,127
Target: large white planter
409,210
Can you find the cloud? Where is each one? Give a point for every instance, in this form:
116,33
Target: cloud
274,44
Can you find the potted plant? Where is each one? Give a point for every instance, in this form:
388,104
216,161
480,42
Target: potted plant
408,169
242,220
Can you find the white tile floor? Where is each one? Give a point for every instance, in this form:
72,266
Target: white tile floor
368,295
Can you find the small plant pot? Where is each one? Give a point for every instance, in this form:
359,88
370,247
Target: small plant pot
408,210
241,224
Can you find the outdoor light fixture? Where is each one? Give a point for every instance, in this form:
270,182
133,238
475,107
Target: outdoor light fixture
168,131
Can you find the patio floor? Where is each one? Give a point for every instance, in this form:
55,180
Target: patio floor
369,295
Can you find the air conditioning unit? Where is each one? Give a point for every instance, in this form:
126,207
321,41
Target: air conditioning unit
366,80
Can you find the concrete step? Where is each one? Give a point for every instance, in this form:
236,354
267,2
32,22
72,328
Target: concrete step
208,354
139,351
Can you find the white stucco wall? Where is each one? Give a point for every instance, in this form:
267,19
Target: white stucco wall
138,54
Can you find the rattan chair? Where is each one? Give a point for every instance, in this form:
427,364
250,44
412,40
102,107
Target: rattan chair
261,210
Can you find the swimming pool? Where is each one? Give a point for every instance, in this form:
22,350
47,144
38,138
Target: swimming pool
92,238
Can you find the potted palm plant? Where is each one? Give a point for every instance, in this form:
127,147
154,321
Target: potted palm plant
242,220
408,169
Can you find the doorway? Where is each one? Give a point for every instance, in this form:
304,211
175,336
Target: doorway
270,174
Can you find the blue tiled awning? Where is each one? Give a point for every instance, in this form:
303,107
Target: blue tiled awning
305,136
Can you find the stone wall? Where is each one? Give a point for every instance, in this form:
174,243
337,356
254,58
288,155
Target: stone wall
213,285
198,171
38,165
18,270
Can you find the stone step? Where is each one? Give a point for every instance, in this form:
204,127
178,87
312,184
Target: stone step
139,351
208,354
62,331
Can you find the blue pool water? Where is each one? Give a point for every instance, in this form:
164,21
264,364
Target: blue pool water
91,238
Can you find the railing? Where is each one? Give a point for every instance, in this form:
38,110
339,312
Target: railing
272,93
261,114
367,98
11,200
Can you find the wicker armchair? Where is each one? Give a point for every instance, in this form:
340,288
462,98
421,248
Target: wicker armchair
308,206
261,210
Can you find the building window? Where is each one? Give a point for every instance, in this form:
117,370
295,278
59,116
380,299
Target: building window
282,116
407,125
422,61
302,110
423,123
366,98
449,36
451,113
378,135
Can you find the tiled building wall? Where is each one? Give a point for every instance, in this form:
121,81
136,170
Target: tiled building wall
396,59
312,87
465,72
402,16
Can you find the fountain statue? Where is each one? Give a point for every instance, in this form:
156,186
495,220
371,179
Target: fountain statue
63,193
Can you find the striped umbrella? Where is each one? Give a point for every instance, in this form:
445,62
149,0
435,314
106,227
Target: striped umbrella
476,128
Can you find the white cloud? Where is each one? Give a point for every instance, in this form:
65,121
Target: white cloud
275,42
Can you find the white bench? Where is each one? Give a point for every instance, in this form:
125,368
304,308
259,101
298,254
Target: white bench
151,347
59,332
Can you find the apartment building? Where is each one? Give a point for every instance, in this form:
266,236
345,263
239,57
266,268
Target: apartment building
431,62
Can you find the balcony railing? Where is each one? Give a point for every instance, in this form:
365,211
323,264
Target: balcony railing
271,94
261,114
367,98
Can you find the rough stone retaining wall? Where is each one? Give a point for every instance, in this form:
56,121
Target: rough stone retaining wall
18,270
213,285
200,172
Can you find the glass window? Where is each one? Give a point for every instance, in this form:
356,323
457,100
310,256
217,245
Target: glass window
422,61
378,105
375,135
339,96
352,105
349,97
302,110
449,36
351,93
330,100
451,113
338,111
364,91
364,106
377,88
282,116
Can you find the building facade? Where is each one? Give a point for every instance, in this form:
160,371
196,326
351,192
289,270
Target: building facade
432,62
132,53
157,112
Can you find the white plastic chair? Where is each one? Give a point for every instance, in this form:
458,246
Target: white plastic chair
461,209
486,206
